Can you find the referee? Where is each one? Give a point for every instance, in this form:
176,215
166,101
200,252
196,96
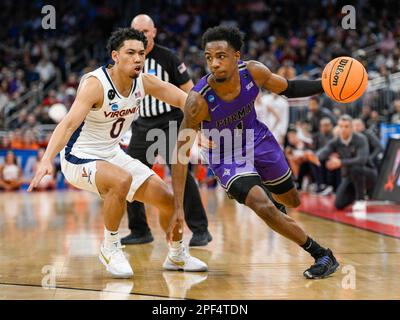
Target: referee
155,114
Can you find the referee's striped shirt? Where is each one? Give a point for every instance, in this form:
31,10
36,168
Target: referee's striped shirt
164,64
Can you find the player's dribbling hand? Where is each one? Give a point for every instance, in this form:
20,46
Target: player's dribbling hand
43,169
176,221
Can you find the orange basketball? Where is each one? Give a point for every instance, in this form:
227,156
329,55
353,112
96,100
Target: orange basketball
344,79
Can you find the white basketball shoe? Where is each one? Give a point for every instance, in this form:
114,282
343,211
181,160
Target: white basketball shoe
180,259
115,261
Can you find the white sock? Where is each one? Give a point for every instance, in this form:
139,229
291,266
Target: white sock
175,247
110,237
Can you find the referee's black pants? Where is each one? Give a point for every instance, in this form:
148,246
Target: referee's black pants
195,214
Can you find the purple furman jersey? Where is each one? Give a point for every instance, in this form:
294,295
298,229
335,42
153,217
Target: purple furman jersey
244,145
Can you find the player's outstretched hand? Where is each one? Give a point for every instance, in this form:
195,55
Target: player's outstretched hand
44,168
176,221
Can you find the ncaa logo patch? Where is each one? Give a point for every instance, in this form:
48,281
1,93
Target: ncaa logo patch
211,98
114,107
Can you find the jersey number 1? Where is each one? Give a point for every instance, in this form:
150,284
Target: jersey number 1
114,134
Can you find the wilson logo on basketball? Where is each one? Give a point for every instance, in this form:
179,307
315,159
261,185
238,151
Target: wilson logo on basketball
339,70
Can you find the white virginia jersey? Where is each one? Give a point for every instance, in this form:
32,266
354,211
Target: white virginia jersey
99,134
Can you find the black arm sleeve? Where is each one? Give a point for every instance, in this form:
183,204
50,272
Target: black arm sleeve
302,88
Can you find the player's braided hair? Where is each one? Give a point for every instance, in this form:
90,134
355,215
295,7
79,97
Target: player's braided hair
118,37
229,34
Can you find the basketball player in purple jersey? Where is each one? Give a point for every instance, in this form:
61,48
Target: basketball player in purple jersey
224,101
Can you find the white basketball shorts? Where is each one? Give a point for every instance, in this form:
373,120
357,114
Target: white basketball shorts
82,173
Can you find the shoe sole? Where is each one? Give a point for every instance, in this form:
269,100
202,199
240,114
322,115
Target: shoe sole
326,274
133,242
115,275
173,268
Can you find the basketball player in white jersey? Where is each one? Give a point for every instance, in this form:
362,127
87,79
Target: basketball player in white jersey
91,159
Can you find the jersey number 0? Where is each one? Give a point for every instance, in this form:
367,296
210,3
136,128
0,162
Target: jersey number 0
116,130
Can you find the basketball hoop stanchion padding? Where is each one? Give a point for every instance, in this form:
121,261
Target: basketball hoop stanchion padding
387,186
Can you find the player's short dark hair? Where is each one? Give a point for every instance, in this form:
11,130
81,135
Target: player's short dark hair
229,34
118,37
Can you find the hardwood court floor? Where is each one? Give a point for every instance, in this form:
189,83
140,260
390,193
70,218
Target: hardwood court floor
56,236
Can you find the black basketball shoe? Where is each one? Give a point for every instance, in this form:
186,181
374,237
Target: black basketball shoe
323,266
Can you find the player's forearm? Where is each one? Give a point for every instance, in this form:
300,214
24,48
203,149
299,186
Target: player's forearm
302,88
186,138
181,100
179,174
58,140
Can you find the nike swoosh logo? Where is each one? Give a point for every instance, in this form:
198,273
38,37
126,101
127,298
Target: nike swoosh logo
107,261
177,263
113,234
213,109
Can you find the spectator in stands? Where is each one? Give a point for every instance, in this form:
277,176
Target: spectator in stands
395,117
16,139
295,152
286,70
366,114
17,85
273,110
73,81
43,117
375,148
326,180
4,99
29,141
316,113
304,133
374,123
30,123
46,70
349,152
20,120
10,174
5,142
50,99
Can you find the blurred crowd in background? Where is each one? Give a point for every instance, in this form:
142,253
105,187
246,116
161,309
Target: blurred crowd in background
40,68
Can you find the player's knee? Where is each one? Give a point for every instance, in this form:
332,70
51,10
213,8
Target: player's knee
122,185
268,212
293,202
289,200
166,202
264,208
